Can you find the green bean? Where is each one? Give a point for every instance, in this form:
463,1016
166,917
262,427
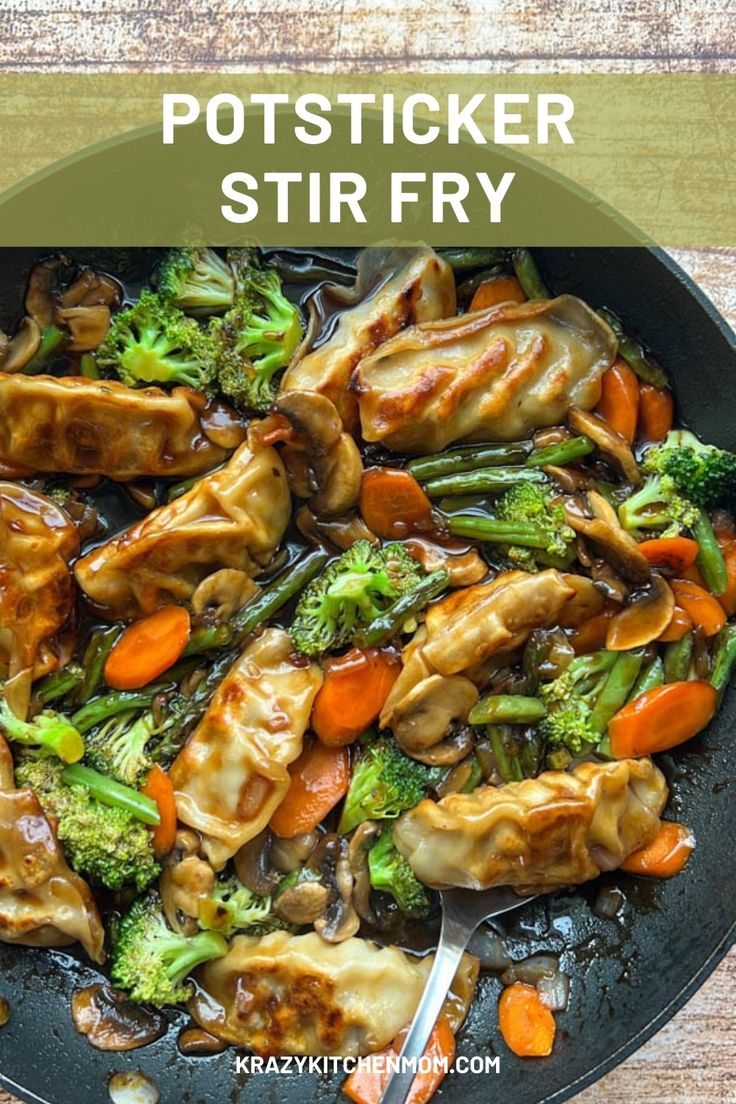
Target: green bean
468,458
486,528
724,658
458,503
93,662
113,793
278,593
88,366
650,678
616,689
204,638
507,709
677,659
563,453
475,778
482,482
53,342
528,276
507,762
467,257
58,684
100,709
391,621
710,557
632,351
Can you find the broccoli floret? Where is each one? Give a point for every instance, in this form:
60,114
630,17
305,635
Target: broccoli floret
118,747
233,907
106,844
197,281
48,731
541,519
391,873
658,505
154,342
150,961
385,783
350,593
570,699
703,474
256,339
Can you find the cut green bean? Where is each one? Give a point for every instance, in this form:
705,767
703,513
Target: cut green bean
88,366
724,658
278,593
469,458
507,709
489,529
563,453
53,342
113,793
710,557
632,351
58,684
464,258
488,480
528,275
650,678
677,659
616,689
93,662
205,638
100,709
507,763
392,620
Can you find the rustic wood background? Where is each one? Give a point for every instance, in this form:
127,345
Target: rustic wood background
693,1059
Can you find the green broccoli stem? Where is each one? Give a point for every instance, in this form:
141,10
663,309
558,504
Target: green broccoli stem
633,353
650,677
677,659
113,793
49,731
58,684
616,689
53,342
463,258
469,458
93,662
95,712
191,951
507,709
392,620
489,529
487,480
710,558
507,762
564,453
724,658
528,275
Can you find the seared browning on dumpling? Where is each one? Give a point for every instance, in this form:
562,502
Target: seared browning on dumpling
296,994
543,833
496,374
394,290
234,518
101,427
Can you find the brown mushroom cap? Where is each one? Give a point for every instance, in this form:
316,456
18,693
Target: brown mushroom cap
608,441
642,620
341,531
424,716
253,865
338,475
302,903
600,525
22,346
313,416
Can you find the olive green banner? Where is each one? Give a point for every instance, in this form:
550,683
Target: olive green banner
309,159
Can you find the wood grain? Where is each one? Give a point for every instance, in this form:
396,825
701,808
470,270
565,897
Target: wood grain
692,1060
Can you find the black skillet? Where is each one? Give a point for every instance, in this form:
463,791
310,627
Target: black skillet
630,974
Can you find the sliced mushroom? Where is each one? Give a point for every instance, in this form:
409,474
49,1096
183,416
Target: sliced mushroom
340,921
610,443
253,865
42,295
422,718
464,568
92,289
302,482
587,602
223,592
22,346
360,844
302,903
570,480
342,531
338,475
644,619
186,880
87,325
604,530
288,855
453,749
314,417
325,463
112,1022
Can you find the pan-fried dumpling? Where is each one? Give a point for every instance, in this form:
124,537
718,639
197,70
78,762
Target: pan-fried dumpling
42,902
496,374
101,427
392,290
234,518
296,994
555,830
442,661
37,540
232,774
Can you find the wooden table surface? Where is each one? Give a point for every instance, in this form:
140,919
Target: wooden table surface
693,1059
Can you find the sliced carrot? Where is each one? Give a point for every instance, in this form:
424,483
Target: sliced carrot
679,626
147,648
725,531
499,289
319,779
366,1083
274,429
392,502
158,786
662,718
619,401
666,855
528,1027
675,553
591,635
705,611
353,694
656,412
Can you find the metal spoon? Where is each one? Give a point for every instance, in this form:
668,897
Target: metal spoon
463,910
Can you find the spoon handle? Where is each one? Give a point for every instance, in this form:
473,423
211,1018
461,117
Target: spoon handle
454,938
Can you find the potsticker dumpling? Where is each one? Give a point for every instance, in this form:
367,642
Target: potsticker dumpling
437,683
37,540
101,427
234,518
297,994
496,374
232,774
543,833
43,903
393,290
